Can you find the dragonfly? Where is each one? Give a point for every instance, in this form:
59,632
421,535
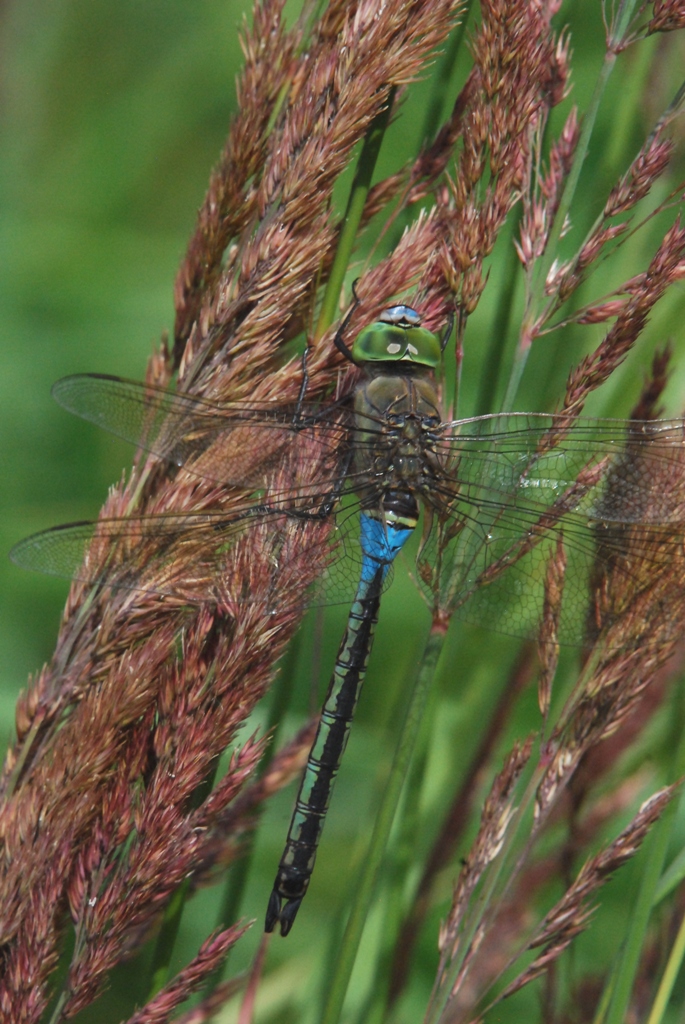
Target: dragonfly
497,497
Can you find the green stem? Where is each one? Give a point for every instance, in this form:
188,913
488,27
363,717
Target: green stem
431,124
353,214
402,856
443,77
623,976
489,897
551,251
668,979
536,297
491,372
166,940
629,959
627,116
376,1009
56,1014
381,833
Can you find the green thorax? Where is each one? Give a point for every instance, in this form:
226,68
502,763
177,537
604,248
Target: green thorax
397,336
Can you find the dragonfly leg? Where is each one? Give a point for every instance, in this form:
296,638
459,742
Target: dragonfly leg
333,498
447,332
338,340
297,415
326,508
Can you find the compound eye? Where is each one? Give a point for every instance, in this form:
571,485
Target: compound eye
400,316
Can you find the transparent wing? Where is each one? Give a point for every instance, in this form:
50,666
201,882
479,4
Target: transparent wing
516,494
537,456
292,466
195,557
505,496
233,443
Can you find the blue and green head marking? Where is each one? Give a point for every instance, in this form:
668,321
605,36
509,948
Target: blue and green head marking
396,337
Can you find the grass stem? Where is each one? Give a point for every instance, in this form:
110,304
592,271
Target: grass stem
361,184
536,297
381,833
623,979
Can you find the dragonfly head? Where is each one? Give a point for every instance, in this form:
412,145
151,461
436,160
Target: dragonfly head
397,336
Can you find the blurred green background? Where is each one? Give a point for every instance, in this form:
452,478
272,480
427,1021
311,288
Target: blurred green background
112,114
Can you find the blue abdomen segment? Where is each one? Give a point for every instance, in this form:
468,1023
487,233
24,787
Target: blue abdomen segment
380,542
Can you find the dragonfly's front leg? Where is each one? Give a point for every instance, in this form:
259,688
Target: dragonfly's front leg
297,415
